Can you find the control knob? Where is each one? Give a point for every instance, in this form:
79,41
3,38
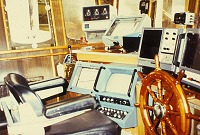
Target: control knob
111,100
108,100
125,113
124,102
107,113
119,116
115,115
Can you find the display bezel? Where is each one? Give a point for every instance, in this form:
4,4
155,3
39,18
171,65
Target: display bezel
145,61
185,49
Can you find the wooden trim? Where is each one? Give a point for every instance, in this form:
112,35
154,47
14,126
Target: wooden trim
187,5
63,24
150,7
53,18
53,63
196,6
58,22
32,50
32,56
5,24
106,57
192,6
196,14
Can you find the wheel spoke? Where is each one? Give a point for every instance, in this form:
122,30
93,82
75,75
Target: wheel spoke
164,132
155,124
171,125
148,107
173,113
168,97
159,90
155,99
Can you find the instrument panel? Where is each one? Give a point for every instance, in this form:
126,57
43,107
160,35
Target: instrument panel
113,87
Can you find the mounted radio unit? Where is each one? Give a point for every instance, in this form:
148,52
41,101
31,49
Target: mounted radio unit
112,85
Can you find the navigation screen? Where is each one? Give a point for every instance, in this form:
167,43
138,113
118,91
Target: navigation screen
150,43
192,52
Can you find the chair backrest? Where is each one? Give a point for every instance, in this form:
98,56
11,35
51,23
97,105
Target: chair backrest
19,87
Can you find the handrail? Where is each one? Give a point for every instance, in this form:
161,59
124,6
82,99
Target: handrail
33,56
32,50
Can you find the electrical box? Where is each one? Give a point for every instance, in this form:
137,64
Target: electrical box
96,20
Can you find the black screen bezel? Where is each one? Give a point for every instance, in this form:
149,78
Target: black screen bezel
191,55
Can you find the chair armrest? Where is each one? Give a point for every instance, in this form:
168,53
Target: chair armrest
49,83
50,87
69,106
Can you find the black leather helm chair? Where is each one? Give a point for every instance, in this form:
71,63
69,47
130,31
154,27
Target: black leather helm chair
90,122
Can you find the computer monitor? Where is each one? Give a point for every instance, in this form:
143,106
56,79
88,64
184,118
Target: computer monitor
149,46
83,77
122,26
161,41
131,42
190,60
117,80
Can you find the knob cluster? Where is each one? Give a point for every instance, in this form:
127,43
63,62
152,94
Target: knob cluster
119,114
96,13
115,100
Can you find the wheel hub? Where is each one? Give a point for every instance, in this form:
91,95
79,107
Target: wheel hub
159,110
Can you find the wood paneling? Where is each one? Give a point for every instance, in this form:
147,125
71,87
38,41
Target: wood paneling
32,67
32,62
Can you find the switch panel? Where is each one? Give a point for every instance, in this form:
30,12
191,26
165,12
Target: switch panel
96,13
168,44
115,113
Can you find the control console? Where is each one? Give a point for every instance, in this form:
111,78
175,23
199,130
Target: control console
112,85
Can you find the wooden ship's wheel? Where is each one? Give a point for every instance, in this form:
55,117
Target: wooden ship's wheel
163,104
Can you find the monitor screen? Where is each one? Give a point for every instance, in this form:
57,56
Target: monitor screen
190,60
93,78
131,43
86,78
150,43
123,26
118,83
